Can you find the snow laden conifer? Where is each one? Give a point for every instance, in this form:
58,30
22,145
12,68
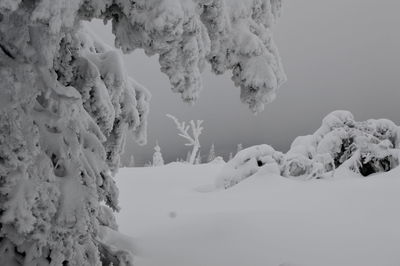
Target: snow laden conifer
198,159
239,148
187,156
70,105
191,138
157,156
66,105
131,161
211,153
148,164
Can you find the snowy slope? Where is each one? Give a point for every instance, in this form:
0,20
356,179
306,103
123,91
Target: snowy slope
175,220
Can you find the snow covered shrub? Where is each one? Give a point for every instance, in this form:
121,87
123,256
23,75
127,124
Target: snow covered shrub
341,142
303,159
377,158
66,105
218,160
297,164
246,163
365,147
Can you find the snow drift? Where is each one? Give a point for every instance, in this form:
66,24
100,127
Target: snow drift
265,220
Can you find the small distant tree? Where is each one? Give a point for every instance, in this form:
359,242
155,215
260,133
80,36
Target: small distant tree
131,161
239,147
211,154
188,156
198,158
157,156
193,140
230,156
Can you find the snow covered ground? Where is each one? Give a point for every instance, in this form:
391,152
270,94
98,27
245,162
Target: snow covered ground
176,219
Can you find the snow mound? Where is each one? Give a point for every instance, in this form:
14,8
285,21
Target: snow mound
246,163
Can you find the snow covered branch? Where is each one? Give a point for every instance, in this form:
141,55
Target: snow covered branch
232,35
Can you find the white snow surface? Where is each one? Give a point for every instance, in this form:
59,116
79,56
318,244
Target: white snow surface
175,217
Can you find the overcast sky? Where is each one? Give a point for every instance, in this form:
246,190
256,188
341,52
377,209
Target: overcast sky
341,54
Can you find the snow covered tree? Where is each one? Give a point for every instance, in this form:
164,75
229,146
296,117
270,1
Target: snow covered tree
341,142
157,156
198,159
193,140
239,148
148,164
69,107
131,161
230,156
211,154
188,156
66,105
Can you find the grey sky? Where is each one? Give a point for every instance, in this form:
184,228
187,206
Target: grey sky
341,54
